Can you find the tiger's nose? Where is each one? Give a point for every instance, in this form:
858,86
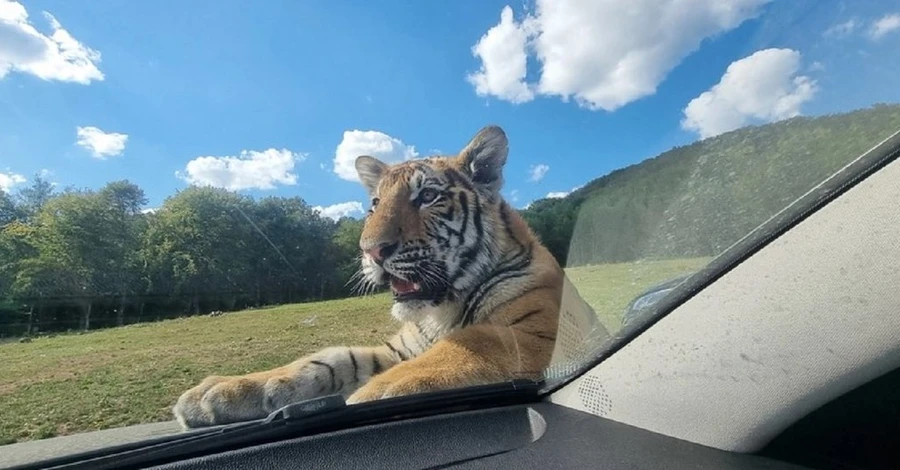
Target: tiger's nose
382,251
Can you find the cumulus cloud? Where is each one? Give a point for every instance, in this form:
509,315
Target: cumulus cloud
603,54
10,179
763,87
503,61
250,170
537,172
102,145
341,209
885,25
372,143
57,56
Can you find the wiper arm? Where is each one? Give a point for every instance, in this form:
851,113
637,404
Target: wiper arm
312,416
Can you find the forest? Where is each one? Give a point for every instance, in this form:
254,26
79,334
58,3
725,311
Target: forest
85,259
81,259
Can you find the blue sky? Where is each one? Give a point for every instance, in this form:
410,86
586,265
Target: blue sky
276,97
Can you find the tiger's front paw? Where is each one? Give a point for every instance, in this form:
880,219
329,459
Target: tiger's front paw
379,388
222,400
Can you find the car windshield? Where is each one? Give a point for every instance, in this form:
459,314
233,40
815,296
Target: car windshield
210,213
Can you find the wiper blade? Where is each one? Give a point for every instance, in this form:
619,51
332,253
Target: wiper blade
312,416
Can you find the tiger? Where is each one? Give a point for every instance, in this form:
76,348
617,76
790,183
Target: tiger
477,294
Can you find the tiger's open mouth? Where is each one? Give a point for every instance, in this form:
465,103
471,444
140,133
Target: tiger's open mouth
408,290
404,287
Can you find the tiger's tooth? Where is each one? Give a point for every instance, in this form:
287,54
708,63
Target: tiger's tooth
416,286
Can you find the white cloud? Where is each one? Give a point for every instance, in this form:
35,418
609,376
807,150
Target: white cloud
763,87
886,24
149,210
249,170
372,143
842,29
503,61
514,195
603,53
342,209
101,144
58,56
562,194
10,179
537,172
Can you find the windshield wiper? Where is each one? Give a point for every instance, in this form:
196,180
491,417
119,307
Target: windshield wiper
299,419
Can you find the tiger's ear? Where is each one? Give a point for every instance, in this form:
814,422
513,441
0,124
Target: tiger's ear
484,157
370,171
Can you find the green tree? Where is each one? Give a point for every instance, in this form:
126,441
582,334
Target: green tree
9,211
73,231
198,244
33,197
122,272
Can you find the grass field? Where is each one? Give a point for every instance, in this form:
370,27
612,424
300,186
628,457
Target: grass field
75,383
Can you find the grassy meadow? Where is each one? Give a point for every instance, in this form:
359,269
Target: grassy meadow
133,374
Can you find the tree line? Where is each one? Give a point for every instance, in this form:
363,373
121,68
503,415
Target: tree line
83,259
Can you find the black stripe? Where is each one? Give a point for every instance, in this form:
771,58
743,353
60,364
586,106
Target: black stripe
544,336
524,316
472,308
396,351
464,204
403,342
450,230
456,178
355,365
504,217
423,335
504,273
522,294
330,371
479,228
448,215
377,367
475,250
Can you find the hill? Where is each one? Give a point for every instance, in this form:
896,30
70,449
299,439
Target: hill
698,199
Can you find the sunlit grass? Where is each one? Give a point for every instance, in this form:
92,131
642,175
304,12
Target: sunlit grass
608,288
74,383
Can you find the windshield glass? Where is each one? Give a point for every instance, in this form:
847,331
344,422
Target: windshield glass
207,216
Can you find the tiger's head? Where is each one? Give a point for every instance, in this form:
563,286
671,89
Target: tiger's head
429,233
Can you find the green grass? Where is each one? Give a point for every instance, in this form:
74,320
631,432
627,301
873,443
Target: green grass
121,376
610,287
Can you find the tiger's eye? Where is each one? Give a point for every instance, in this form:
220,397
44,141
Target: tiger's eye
428,195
